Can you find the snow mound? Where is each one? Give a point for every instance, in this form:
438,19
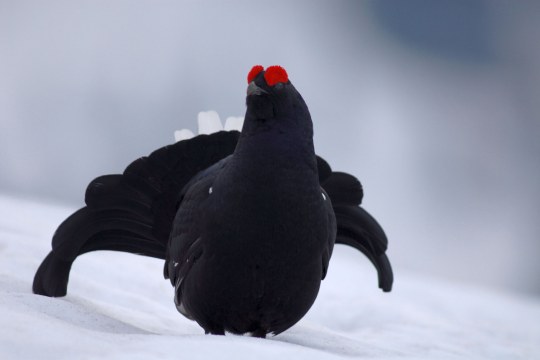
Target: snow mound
119,307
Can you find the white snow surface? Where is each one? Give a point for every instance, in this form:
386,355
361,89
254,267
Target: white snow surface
119,307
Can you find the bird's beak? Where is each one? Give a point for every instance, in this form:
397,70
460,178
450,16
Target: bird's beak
253,89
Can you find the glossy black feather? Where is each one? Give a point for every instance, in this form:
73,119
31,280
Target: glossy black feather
246,222
356,227
132,212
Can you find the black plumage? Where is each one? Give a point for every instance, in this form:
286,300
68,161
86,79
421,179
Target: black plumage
246,222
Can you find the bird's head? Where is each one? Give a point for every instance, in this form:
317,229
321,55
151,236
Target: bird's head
272,101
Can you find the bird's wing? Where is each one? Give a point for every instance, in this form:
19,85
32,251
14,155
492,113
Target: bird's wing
185,242
131,212
331,234
355,226
186,231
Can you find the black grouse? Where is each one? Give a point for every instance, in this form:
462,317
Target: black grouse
246,222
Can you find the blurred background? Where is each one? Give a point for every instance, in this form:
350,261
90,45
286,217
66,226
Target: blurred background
434,106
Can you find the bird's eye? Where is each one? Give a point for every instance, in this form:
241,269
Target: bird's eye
254,72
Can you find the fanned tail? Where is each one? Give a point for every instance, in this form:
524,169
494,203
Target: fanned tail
356,227
132,212
116,218
88,230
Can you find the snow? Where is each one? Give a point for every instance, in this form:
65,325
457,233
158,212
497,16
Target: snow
119,307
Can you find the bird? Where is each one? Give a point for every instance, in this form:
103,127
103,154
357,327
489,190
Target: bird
245,222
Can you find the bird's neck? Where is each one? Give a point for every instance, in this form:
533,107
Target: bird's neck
271,152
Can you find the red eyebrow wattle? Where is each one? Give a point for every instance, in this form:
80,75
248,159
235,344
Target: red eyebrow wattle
254,72
275,74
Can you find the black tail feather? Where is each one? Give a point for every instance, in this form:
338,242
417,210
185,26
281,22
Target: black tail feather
88,230
115,192
355,221
132,212
381,262
118,240
343,189
52,276
356,227
84,226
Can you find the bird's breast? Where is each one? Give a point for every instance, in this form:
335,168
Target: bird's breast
269,217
